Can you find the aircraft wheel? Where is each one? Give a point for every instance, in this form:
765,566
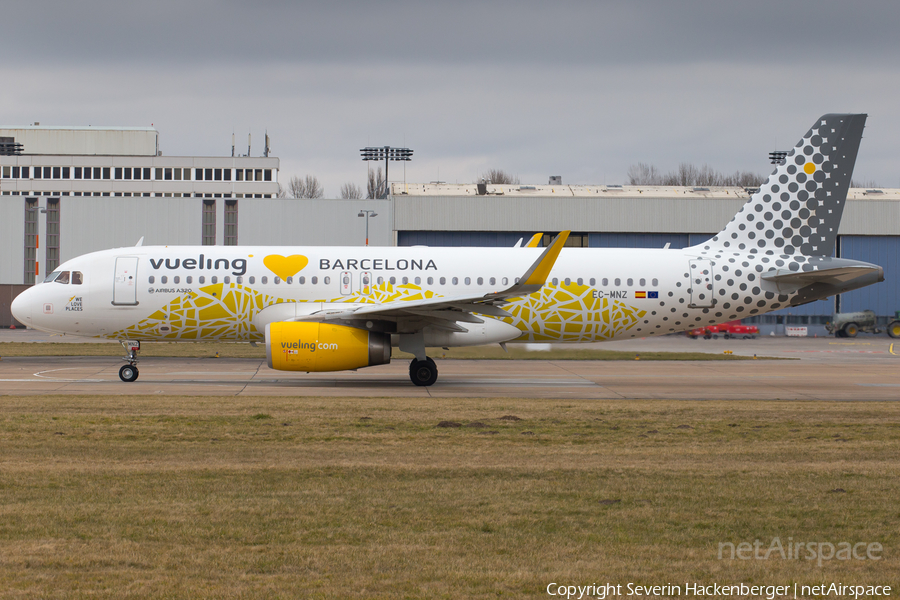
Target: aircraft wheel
851,329
423,372
128,373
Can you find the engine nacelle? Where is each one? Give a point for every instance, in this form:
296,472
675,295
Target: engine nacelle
306,346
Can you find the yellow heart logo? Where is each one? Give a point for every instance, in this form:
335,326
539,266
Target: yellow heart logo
285,266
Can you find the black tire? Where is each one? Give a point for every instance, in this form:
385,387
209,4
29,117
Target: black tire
893,329
715,336
727,336
128,373
423,372
850,330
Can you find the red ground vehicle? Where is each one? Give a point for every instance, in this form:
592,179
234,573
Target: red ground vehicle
731,329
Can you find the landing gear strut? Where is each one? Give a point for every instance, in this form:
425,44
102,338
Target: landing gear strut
423,372
129,372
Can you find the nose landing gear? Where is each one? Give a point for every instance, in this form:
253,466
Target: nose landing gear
129,372
423,372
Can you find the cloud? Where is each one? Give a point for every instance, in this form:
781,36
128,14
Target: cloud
578,89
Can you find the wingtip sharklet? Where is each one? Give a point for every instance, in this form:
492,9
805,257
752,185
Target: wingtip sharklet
540,270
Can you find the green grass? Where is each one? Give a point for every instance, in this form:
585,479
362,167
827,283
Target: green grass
368,498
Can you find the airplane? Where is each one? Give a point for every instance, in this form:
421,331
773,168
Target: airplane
321,309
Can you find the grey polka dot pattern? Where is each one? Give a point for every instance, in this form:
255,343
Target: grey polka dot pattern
786,229
798,209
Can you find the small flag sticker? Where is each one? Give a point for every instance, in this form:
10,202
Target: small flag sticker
653,294
640,294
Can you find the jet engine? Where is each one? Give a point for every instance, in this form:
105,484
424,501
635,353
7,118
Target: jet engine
312,346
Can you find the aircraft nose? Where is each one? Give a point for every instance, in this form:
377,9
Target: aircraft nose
21,308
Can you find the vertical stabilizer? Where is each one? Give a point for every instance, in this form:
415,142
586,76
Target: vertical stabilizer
798,209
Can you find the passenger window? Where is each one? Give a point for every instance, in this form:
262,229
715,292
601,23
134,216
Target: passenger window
643,282
165,279
202,279
326,280
189,279
480,281
555,281
252,280
77,278
152,279
454,281
418,281
618,281
240,280
593,281
214,279
443,280
227,279
504,281
289,280
300,280
277,280
580,281
430,280
604,281
655,282
380,280
405,280
176,279
468,281
392,280
492,281
630,282
567,281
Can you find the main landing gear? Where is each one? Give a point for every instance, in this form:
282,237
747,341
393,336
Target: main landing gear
129,372
423,372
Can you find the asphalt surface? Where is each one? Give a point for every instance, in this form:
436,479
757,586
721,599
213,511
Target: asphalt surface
865,368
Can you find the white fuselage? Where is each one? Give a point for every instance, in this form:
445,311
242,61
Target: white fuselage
215,292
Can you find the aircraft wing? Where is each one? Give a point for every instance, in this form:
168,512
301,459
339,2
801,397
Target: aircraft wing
446,311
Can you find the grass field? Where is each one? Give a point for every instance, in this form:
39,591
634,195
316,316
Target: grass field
235,350
183,497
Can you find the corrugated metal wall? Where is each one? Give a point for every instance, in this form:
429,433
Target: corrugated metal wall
478,239
638,240
884,297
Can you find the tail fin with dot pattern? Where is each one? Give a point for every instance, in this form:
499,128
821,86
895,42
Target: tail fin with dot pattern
798,209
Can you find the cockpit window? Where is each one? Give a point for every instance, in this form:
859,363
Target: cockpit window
51,277
63,277
77,278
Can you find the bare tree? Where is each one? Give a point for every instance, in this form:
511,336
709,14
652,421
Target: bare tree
375,187
351,191
644,174
689,175
305,187
499,176
867,184
282,193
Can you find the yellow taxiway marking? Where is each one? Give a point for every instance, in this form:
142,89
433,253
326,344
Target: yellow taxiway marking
891,349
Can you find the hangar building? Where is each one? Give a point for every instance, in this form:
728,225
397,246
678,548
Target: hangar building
76,190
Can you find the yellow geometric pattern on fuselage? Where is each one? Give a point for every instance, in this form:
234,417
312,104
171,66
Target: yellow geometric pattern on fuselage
562,313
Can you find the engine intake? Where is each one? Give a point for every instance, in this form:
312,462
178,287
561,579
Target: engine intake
304,346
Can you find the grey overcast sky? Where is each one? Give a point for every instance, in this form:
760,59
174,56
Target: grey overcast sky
577,89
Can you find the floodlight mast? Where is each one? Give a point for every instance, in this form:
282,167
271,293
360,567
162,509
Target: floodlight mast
386,153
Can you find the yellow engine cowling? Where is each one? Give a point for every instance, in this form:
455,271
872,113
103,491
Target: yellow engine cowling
306,346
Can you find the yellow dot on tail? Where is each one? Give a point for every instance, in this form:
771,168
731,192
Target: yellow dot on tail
809,168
